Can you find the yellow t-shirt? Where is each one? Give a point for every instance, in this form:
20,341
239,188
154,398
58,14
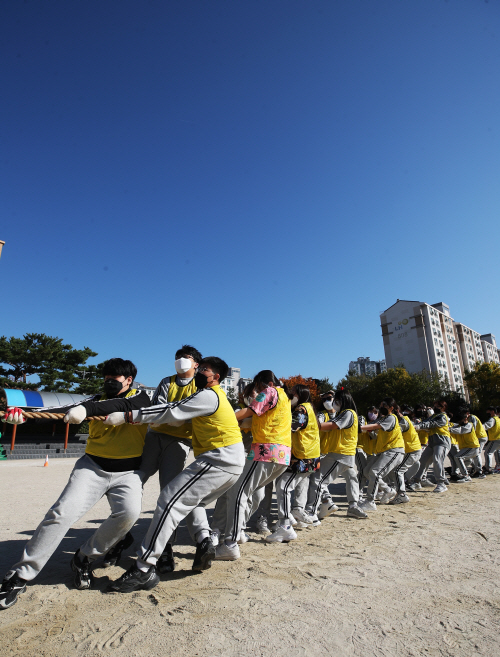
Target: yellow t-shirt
220,429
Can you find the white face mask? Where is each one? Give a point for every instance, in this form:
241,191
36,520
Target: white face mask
328,404
183,365
336,406
294,401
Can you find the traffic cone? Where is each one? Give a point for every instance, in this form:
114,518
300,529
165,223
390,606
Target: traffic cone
46,464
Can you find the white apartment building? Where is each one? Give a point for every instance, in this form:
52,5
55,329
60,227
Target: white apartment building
421,336
363,365
490,349
234,381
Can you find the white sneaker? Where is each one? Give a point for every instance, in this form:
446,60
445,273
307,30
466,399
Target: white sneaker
326,509
441,488
388,496
356,512
261,525
417,485
465,480
282,534
402,498
224,552
215,537
243,538
302,525
301,516
316,522
293,522
427,484
368,505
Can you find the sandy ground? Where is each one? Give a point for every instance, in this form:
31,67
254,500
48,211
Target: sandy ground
417,580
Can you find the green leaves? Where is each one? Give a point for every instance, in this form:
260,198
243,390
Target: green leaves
55,363
483,383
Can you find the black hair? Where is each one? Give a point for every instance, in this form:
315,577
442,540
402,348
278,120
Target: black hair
264,377
372,408
246,392
442,403
188,350
344,398
492,408
463,411
303,393
119,367
389,401
217,365
406,409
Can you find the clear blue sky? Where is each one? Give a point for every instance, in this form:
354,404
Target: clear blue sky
259,179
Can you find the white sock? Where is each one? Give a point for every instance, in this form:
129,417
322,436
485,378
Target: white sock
143,567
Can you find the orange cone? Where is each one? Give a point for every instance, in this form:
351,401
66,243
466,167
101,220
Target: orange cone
46,464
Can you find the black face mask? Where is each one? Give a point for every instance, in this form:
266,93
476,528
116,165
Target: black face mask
112,387
200,381
383,411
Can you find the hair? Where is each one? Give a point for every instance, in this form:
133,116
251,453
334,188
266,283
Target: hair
463,411
3,400
188,350
344,398
442,403
264,377
303,393
373,408
217,365
406,409
247,390
390,402
119,367
494,409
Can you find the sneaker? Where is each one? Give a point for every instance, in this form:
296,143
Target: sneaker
315,521
283,534
83,572
481,475
368,505
114,555
456,477
261,526
497,470
301,516
135,580
225,552
416,485
11,587
293,522
464,480
488,471
243,538
326,509
356,512
166,563
205,553
440,488
410,488
215,537
446,482
475,474
388,496
402,498
427,484
302,525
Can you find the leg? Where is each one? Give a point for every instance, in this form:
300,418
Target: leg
425,460
439,455
328,472
312,491
383,464
351,483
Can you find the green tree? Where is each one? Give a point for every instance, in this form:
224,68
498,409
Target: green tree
323,385
483,384
91,380
55,363
232,397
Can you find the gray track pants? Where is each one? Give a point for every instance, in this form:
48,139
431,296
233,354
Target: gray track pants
167,455
306,492
381,466
398,474
468,453
86,486
492,447
195,487
255,476
333,466
436,452
285,484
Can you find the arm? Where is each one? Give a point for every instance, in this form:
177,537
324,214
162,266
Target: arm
489,424
161,393
343,420
300,419
403,424
466,428
435,423
119,404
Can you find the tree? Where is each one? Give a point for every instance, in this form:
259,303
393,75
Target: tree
55,363
91,380
324,385
310,383
232,397
483,383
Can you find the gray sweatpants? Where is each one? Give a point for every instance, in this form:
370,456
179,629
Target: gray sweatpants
398,474
195,487
86,486
167,455
383,464
285,484
492,447
451,456
255,476
306,492
333,466
466,454
436,451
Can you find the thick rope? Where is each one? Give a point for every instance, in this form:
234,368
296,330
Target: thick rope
54,416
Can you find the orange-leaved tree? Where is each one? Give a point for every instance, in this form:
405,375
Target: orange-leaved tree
291,381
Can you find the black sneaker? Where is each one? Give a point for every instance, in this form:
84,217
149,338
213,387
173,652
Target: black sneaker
409,488
11,587
456,477
487,471
84,576
205,552
135,580
166,563
475,474
114,555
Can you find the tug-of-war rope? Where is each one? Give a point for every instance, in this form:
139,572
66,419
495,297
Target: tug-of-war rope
53,416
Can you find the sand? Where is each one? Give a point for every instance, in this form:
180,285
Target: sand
417,579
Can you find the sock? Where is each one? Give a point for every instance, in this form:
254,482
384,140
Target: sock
202,535
143,567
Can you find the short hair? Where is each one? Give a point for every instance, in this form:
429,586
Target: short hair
344,398
389,401
217,365
442,403
119,367
303,393
188,350
406,409
492,408
264,377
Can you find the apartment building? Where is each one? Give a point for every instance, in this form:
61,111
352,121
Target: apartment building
234,381
490,349
363,365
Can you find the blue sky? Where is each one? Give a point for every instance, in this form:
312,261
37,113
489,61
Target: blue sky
259,179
